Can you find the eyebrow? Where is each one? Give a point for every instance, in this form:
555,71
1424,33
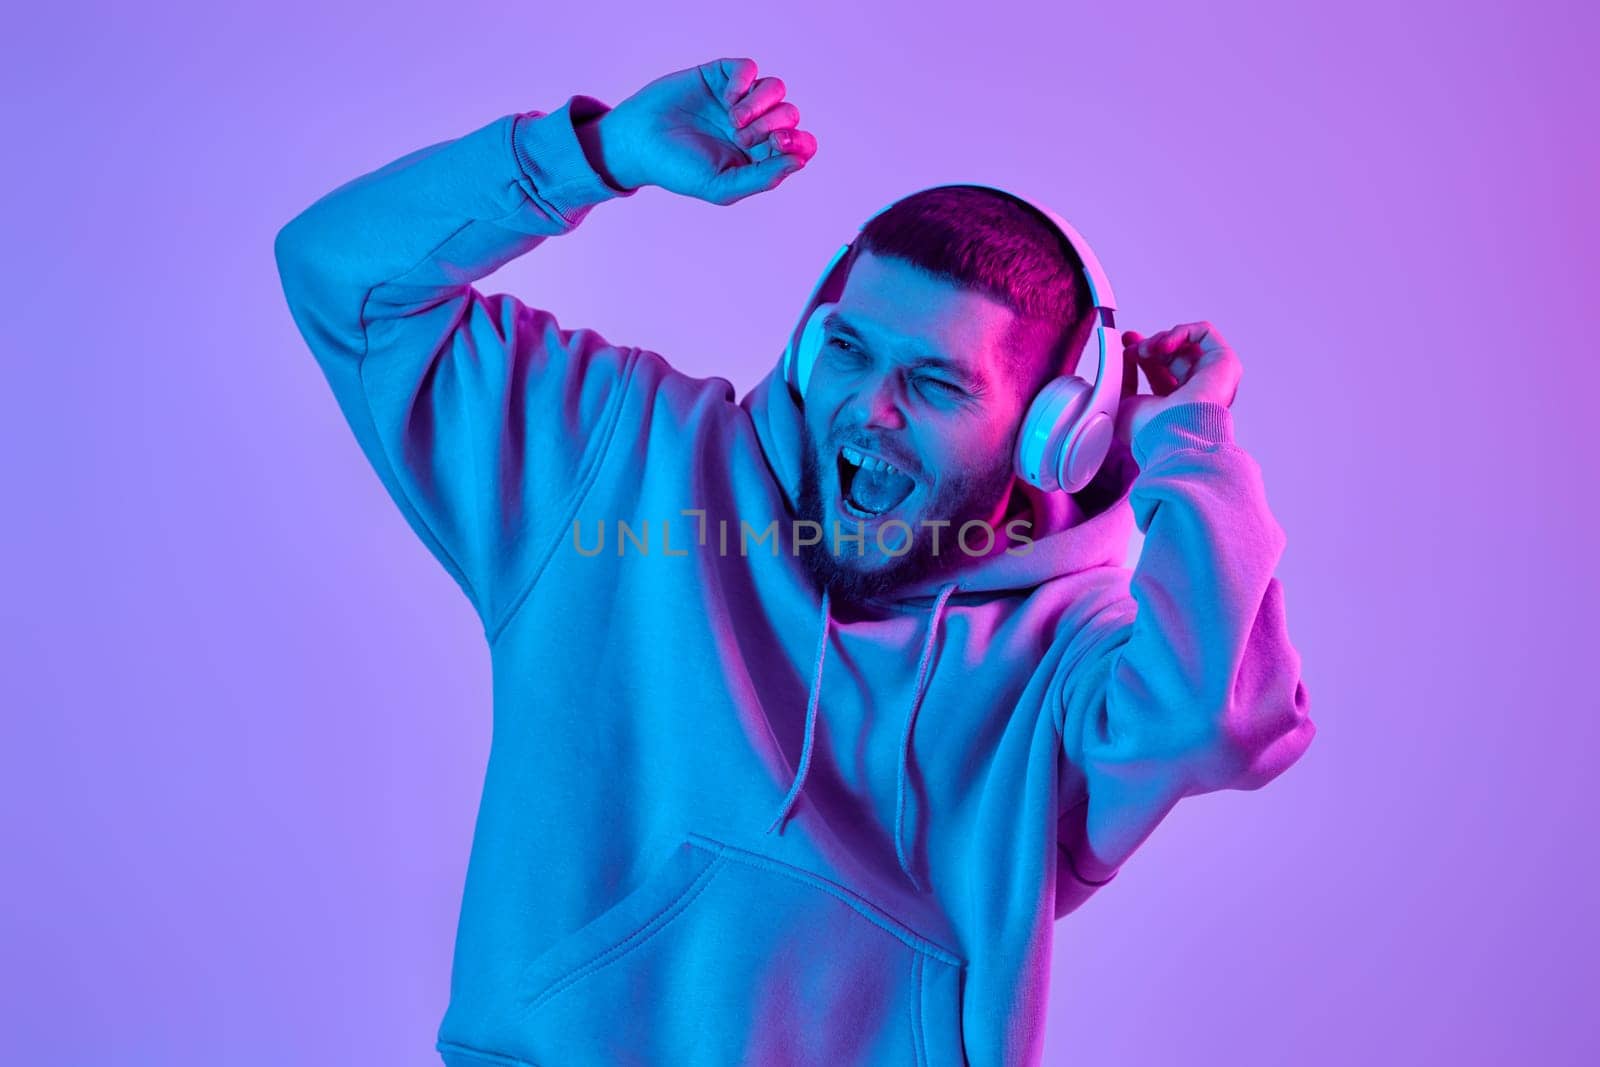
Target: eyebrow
834,322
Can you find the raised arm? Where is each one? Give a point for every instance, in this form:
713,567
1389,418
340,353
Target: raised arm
444,387
1192,685
480,414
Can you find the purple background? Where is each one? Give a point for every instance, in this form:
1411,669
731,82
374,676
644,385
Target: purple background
245,713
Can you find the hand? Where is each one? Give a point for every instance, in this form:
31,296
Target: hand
713,132
1188,362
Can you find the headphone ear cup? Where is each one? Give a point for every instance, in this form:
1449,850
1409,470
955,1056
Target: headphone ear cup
810,346
1056,447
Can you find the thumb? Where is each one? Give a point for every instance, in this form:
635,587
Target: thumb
1132,413
1130,368
736,183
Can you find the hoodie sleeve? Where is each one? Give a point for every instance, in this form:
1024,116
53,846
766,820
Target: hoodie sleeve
482,417
1192,684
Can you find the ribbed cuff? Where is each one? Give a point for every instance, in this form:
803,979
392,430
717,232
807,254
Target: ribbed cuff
1191,424
552,159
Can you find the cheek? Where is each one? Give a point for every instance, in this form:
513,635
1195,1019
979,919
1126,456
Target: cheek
822,455
817,430
969,446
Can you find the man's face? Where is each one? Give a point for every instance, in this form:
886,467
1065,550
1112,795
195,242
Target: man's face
914,373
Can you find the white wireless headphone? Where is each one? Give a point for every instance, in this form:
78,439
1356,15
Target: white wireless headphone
1068,428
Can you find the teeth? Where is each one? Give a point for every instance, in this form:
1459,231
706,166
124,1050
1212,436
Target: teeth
871,463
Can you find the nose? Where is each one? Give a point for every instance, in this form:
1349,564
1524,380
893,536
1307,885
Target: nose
879,403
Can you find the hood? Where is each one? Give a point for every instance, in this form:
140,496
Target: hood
1071,532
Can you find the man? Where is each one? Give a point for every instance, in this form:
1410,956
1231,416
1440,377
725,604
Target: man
749,799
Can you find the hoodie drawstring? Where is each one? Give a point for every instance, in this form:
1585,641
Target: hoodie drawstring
811,723
902,776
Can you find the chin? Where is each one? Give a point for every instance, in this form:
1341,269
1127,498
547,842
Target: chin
858,578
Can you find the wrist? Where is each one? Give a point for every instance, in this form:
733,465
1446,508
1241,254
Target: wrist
599,148
1195,422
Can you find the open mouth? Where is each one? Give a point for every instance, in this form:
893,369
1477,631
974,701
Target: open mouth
871,486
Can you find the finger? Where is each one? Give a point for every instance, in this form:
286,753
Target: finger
1205,335
1130,373
1197,345
1139,345
1172,354
1162,380
1201,334
1163,345
783,117
1144,353
796,144
735,76
762,97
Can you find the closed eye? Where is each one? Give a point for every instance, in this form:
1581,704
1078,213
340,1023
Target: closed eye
925,383
950,388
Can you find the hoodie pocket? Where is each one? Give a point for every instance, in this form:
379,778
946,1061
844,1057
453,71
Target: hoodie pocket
723,956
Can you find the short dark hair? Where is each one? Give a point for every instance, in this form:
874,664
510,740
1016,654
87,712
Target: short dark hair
994,243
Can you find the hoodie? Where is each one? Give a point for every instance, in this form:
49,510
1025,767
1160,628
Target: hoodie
720,823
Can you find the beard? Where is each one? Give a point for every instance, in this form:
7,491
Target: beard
859,574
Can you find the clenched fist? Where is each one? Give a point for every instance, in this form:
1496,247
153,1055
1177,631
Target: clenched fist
715,132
